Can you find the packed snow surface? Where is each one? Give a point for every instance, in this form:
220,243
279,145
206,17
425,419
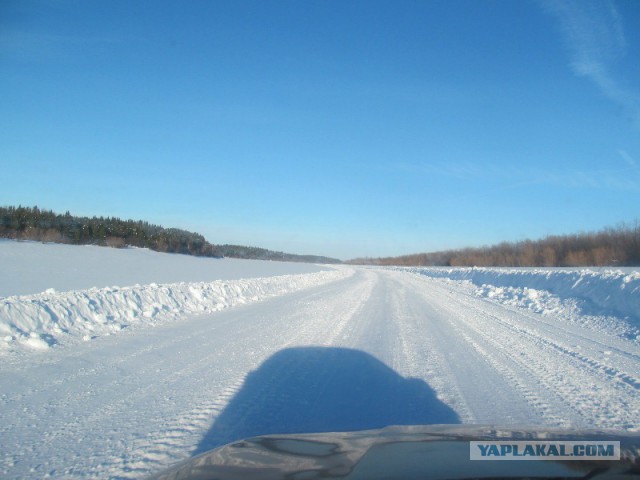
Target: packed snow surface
329,349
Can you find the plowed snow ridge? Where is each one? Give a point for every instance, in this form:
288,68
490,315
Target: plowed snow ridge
607,300
45,319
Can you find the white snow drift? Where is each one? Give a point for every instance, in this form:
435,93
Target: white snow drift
607,300
41,320
32,267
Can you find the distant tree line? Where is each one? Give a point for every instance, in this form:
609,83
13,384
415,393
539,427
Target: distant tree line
619,246
256,253
32,223
25,223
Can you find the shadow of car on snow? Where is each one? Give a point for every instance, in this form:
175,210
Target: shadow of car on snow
324,389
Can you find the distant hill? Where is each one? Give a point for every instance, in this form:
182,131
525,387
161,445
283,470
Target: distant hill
32,223
618,246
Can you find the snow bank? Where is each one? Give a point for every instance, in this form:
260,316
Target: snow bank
592,294
42,320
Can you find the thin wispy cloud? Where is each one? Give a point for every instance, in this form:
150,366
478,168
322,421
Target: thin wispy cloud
634,168
47,47
27,45
517,176
627,158
594,34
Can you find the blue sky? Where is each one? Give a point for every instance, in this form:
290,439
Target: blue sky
341,128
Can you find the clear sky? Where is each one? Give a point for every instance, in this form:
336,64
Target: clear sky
340,128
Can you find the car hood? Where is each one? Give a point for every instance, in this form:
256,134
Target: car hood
407,452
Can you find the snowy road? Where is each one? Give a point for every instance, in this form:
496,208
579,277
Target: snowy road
374,348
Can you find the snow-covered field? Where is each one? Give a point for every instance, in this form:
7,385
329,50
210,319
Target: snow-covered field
117,363
51,317
31,267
